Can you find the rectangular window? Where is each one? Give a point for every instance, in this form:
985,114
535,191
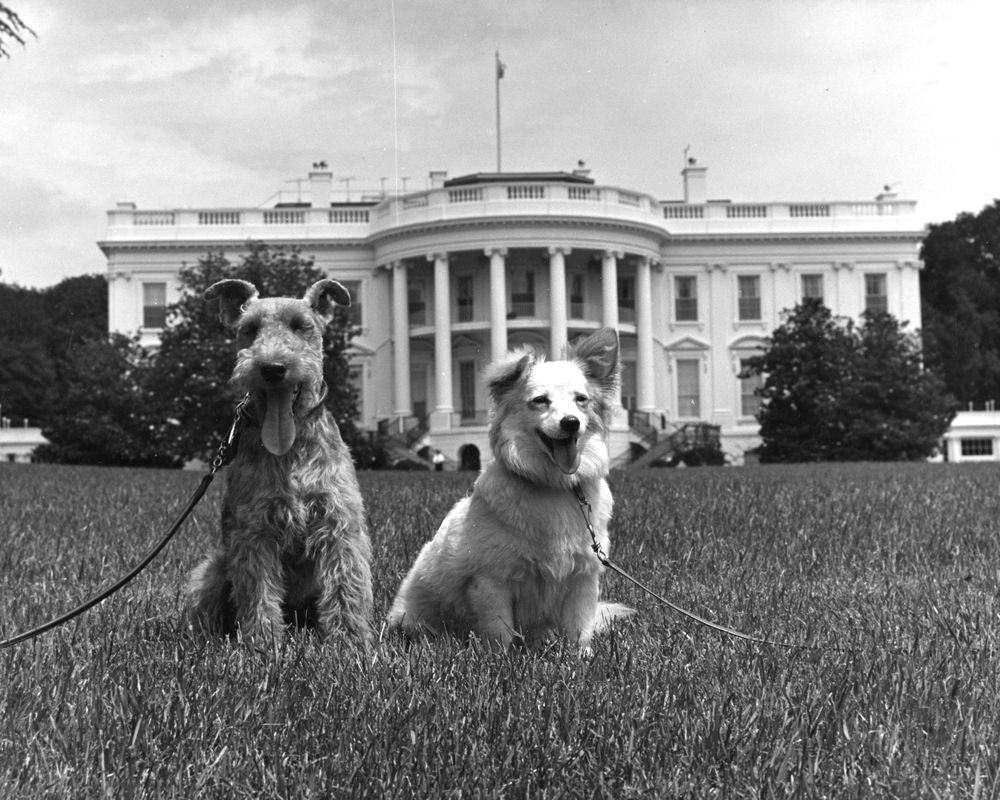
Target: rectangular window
467,389
749,400
522,293
812,287
876,296
685,299
688,388
977,447
418,389
628,385
748,291
354,310
464,285
355,377
154,305
626,299
576,281
417,302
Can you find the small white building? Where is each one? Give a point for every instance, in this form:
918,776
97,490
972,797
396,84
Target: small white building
446,278
18,441
973,436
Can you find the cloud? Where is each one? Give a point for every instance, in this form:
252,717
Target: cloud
185,103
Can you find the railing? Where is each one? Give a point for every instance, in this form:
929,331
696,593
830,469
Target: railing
525,192
220,218
153,218
629,199
418,201
809,210
8,423
756,211
348,215
474,195
683,212
284,217
460,202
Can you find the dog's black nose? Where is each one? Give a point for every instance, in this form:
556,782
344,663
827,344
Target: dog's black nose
273,373
569,424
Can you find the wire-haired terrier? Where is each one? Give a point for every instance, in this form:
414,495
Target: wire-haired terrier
295,549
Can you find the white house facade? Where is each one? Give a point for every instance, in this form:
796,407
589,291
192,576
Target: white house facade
447,278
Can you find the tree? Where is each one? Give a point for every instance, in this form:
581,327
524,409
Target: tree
11,27
805,366
960,291
187,383
836,392
100,415
76,311
897,410
41,329
27,371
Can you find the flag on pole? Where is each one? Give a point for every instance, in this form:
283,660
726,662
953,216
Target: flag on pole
501,67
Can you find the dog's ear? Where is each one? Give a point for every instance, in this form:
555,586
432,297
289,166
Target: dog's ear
598,354
323,295
501,375
233,295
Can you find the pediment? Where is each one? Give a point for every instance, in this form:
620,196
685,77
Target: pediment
752,342
688,343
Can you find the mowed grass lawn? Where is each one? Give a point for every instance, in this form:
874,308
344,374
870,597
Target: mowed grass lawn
896,568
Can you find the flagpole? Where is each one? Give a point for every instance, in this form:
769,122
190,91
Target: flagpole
498,73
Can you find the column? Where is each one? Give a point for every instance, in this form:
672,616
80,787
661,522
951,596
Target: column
498,301
557,301
444,403
609,288
403,406
609,300
644,377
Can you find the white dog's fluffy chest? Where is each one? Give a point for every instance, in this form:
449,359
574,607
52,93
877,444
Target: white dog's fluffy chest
534,529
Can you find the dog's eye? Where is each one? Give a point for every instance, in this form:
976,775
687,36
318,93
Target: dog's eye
540,400
300,325
582,399
248,330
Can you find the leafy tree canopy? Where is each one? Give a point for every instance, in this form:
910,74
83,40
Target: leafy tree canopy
837,392
960,292
39,330
100,415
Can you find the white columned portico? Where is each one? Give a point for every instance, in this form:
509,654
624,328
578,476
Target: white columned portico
403,405
444,403
645,382
498,301
557,301
609,298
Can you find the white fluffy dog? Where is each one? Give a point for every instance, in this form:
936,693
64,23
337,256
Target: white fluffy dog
514,559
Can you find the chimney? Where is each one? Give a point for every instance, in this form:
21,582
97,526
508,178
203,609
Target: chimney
320,183
694,182
438,177
581,170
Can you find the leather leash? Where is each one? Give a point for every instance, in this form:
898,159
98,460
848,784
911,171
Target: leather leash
217,463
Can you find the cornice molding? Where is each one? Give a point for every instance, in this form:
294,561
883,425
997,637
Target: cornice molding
586,223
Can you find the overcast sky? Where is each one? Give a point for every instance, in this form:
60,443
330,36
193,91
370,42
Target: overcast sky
175,104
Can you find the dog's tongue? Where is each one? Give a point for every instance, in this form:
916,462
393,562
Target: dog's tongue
566,454
278,431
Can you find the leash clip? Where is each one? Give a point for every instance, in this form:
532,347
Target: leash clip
220,456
